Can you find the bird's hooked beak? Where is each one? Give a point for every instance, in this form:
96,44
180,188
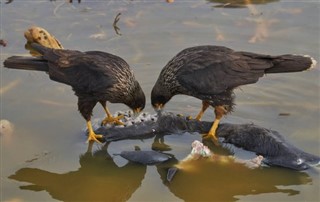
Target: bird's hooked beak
136,111
158,107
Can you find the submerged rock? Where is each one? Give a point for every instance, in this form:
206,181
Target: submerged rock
145,157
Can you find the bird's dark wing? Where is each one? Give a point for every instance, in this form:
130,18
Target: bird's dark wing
215,72
83,70
110,60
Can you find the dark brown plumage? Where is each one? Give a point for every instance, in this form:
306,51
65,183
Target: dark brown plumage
93,75
210,73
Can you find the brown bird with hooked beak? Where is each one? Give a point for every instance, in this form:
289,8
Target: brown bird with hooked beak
95,77
210,73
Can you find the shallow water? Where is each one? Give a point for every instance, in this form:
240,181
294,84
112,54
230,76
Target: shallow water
43,159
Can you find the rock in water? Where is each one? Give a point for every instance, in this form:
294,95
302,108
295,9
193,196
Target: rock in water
145,157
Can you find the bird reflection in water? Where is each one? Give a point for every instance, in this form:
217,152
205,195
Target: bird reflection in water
100,179
97,179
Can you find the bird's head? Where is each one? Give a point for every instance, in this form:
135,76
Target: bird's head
159,96
138,100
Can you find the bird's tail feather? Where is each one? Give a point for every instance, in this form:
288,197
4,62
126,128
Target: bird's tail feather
26,63
291,63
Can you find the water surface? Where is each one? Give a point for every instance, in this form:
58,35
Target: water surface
44,158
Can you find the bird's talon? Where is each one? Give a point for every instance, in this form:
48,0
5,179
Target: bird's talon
99,136
211,137
120,117
115,120
94,138
206,136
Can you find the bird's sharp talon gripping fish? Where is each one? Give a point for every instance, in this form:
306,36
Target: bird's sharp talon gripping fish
127,119
210,73
116,120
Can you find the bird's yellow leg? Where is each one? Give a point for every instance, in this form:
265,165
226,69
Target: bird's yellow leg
219,112
212,132
91,134
110,118
205,106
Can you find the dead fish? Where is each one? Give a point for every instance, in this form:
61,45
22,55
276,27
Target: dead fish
145,157
268,143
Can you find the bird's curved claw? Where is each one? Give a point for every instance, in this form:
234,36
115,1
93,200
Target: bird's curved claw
211,137
92,137
111,119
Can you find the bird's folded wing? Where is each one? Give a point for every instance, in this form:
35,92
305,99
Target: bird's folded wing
214,76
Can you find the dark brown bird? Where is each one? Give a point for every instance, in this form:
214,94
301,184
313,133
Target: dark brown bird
93,75
210,73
